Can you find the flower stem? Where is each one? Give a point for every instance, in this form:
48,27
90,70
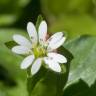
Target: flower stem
28,81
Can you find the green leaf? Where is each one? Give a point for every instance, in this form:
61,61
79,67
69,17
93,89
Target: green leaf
83,66
77,89
80,88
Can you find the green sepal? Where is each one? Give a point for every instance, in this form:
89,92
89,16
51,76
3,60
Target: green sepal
10,44
39,19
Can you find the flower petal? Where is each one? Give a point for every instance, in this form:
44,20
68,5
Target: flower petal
54,38
36,66
27,62
22,40
58,57
42,31
21,50
32,32
56,45
52,64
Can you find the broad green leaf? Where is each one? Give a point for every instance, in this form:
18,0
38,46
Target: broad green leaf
75,25
83,66
80,88
77,89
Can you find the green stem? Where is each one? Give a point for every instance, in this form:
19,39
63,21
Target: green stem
28,80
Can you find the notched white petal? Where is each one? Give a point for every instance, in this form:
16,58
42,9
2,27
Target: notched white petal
58,57
47,60
27,62
21,50
36,66
52,64
57,44
55,37
32,32
55,66
21,40
42,31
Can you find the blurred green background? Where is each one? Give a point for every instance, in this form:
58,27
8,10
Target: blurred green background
77,18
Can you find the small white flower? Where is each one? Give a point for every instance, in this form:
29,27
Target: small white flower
38,49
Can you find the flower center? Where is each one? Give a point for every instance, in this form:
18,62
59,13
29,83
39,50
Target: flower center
39,51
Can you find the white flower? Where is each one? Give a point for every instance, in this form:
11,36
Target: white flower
38,49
